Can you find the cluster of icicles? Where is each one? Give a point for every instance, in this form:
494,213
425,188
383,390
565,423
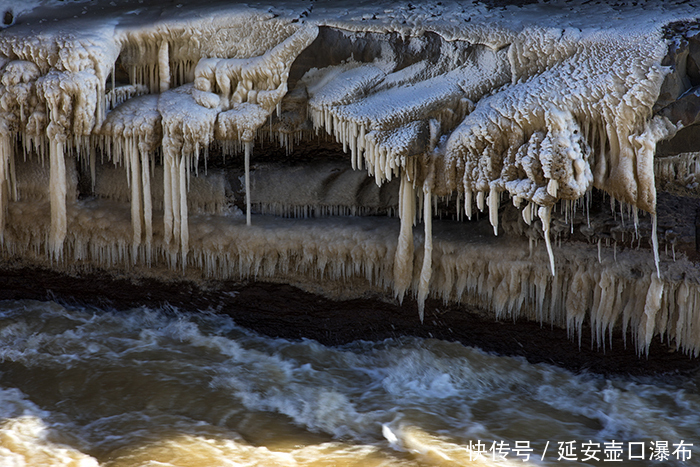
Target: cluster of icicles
439,130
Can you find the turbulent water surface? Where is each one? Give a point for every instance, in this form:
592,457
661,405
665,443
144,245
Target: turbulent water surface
86,387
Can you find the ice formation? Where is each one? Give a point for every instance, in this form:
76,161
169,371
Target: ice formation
481,111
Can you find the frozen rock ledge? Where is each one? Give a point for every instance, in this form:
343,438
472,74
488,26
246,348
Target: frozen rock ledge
146,140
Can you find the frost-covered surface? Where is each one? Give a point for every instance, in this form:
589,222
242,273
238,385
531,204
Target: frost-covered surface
534,104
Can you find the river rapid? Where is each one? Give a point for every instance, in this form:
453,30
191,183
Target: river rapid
159,387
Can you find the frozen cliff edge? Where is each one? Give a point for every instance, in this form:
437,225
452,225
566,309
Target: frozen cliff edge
117,123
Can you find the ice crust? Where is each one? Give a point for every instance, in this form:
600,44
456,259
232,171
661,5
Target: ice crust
501,109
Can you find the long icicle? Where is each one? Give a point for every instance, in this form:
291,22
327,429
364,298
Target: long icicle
5,154
168,218
136,211
545,213
403,258
427,269
57,188
248,150
175,198
493,202
655,244
184,223
147,205
163,67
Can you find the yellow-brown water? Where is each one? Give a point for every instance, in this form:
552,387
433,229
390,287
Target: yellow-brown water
87,387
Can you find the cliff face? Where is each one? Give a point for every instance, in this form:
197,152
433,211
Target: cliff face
212,142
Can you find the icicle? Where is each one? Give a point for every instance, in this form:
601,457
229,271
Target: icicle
135,176
527,213
362,145
468,203
147,207
57,188
5,155
480,201
652,305
354,156
164,66
248,149
184,225
11,172
427,269
545,213
403,258
493,202
175,195
167,199
655,244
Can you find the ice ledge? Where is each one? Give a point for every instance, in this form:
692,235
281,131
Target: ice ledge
530,104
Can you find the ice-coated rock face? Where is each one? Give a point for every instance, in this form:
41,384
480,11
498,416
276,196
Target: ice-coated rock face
530,103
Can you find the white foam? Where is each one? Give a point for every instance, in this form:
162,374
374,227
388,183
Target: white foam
194,386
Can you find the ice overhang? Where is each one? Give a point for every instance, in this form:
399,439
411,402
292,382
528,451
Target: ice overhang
526,103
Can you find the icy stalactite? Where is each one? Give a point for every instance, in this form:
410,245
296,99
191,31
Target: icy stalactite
6,154
57,189
655,243
187,127
427,268
652,305
163,66
133,132
138,208
248,149
493,202
545,213
71,99
147,202
403,257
